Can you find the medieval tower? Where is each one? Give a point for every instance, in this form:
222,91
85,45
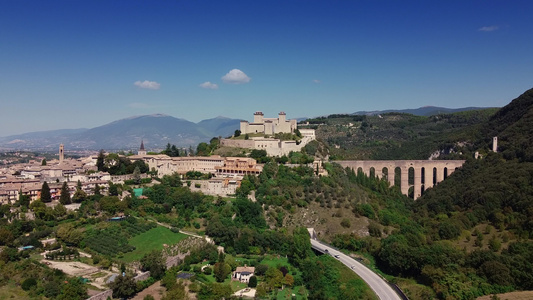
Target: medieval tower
141,149
61,153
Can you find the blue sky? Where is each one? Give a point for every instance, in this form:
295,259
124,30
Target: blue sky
73,64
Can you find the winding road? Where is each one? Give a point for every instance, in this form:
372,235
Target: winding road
381,287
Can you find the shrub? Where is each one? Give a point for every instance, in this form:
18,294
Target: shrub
346,223
28,284
495,244
253,282
261,269
374,230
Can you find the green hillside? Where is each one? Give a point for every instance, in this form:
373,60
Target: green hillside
471,235
400,136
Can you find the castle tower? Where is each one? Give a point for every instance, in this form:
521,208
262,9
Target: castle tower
281,117
495,144
258,117
141,149
61,153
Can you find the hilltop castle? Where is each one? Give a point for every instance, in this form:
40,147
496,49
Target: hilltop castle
268,125
265,127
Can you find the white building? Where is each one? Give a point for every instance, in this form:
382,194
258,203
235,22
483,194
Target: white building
243,274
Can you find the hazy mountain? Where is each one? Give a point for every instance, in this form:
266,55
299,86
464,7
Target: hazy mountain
156,131
422,111
40,139
220,126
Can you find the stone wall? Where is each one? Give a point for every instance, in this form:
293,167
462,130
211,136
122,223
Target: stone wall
176,260
237,143
273,147
102,296
142,276
109,293
215,187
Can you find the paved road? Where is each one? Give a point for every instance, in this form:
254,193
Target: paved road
382,289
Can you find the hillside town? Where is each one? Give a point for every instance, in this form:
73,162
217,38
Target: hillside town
225,172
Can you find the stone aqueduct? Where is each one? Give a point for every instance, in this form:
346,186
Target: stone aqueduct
427,173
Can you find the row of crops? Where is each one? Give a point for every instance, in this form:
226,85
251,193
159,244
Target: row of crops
113,240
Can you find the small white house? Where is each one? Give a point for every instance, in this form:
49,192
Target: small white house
243,274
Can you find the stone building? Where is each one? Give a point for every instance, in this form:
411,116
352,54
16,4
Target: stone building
215,164
141,149
268,125
243,274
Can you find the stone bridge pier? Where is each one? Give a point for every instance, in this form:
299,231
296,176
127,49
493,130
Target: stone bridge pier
424,173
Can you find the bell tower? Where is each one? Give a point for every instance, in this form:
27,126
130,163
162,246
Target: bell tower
141,149
61,153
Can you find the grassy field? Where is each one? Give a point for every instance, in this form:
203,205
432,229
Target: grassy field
236,285
150,240
274,261
352,283
10,291
299,292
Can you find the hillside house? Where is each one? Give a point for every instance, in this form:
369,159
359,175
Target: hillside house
243,274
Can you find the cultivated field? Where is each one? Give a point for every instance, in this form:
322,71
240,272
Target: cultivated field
150,240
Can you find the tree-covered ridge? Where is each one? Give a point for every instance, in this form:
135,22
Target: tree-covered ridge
494,193
400,136
513,126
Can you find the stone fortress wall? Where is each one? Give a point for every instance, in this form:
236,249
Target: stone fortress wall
268,125
271,126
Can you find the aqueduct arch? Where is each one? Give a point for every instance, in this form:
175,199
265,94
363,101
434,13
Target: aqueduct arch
434,171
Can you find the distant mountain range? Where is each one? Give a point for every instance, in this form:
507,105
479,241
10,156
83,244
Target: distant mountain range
422,111
155,130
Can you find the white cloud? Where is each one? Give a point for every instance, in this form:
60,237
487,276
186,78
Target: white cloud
208,85
151,85
236,76
316,81
489,28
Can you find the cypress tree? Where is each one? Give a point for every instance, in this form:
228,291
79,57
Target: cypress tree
45,193
100,161
65,194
